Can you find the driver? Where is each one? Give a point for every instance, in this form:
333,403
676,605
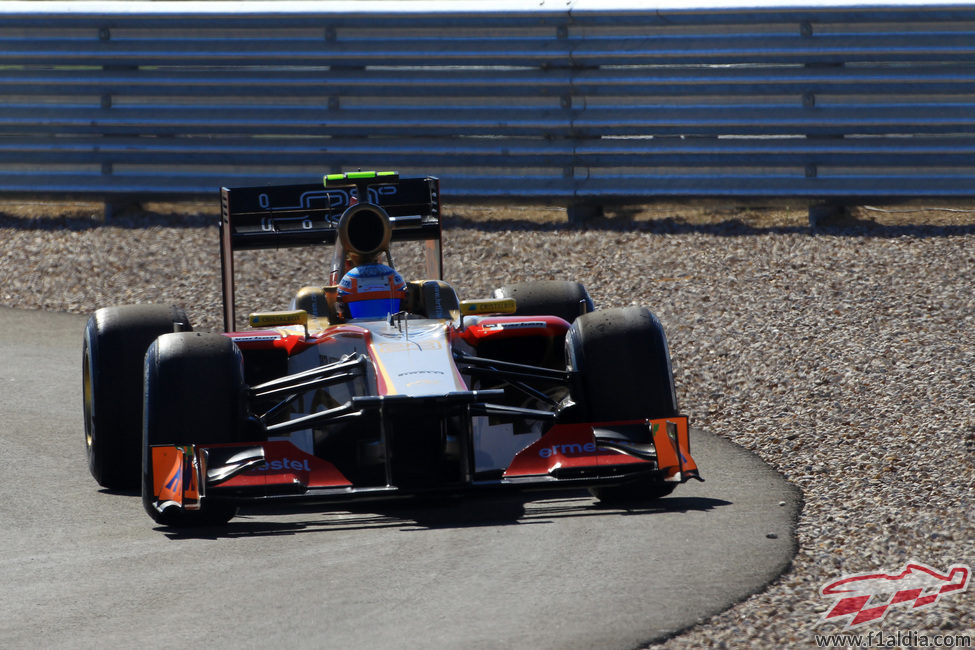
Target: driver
371,290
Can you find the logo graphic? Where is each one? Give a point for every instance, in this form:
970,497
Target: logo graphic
867,597
568,449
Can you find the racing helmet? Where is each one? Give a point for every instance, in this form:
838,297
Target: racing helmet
372,291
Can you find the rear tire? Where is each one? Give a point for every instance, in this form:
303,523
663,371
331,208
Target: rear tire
116,339
194,394
562,298
625,373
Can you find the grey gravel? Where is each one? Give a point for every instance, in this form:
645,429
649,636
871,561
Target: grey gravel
844,358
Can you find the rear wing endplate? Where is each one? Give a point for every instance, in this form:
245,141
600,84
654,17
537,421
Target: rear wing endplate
280,216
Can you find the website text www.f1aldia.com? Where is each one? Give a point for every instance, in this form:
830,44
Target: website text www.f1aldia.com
896,639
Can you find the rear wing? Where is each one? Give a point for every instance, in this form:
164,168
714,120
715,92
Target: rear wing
280,216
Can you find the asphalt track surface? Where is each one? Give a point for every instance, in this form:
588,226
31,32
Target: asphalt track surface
83,567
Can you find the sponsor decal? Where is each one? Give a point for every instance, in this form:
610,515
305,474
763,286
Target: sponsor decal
867,597
496,306
323,199
277,224
252,339
568,449
307,201
284,464
514,326
437,306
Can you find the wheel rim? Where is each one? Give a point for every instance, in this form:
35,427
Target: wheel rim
87,392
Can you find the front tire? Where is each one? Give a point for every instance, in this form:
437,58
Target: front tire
115,343
194,394
624,373
624,367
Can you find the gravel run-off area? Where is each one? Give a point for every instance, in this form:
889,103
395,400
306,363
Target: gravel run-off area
844,357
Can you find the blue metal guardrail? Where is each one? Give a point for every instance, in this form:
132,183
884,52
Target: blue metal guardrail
586,101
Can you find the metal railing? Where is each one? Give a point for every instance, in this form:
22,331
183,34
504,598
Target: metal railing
586,102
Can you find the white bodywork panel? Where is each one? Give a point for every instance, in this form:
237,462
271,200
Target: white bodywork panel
413,357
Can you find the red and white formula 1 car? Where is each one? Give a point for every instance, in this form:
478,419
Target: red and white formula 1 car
373,387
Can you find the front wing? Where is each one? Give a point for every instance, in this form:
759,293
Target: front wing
567,455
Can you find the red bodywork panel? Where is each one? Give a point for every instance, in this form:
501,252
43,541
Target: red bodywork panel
506,327
294,343
486,328
575,446
565,446
286,464
179,472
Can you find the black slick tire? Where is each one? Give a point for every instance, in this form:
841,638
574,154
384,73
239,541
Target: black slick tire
562,298
194,394
624,373
624,367
113,352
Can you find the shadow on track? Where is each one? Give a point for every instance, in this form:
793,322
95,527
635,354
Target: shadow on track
412,516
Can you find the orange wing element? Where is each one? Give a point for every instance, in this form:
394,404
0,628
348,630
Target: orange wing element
176,475
671,439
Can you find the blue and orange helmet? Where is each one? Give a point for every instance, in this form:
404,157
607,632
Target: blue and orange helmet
372,291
